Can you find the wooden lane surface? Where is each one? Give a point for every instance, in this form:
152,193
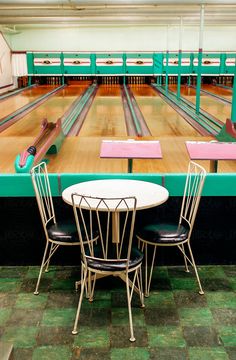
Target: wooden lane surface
161,118
106,115
52,109
74,156
82,153
217,90
13,103
212,106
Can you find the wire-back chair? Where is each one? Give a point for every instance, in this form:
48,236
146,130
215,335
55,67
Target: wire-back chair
57,233
176,234
113,253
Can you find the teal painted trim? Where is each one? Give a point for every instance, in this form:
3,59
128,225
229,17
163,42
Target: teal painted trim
233,109
124,65
179,75
191,63
71,179
30,62
62,63
28,165
156,69
220,184
93,63
20,185
175,183
222,63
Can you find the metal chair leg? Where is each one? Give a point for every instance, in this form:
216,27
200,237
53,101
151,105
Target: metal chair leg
41,270
148,279
185,260
201,292
75,331
129,298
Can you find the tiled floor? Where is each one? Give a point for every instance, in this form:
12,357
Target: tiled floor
176,323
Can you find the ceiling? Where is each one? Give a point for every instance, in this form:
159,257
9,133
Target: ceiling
17,14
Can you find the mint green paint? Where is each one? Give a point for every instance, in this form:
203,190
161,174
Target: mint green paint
62,63
77,70
222,63
30,62
156,69
191,68
109,69
157,63
179,74
93,63
19,185
139,69
47,69
28,164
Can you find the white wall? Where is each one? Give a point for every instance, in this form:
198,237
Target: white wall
6,79
122,39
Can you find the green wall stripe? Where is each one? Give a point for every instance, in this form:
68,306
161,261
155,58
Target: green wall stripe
20,185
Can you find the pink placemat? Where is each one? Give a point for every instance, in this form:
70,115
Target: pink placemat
201,150
130,149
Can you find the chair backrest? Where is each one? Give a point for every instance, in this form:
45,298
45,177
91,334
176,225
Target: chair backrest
192,193
112,219
43,194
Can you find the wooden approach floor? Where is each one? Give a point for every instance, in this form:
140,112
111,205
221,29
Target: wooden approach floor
105,120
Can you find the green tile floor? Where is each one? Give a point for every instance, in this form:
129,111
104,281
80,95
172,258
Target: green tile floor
176,324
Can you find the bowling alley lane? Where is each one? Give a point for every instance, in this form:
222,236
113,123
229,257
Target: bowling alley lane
224,93
160,117
51,110
15,102
213,106
106,115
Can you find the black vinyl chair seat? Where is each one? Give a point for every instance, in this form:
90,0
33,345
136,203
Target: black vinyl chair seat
99,264
164,233
63,232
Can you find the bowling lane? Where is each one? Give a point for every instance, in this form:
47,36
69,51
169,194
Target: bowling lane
161,118
52,109
212,106
13,103
106,115
222,92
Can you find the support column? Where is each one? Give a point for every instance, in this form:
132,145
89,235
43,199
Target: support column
180,59
233,108
167,59
199,77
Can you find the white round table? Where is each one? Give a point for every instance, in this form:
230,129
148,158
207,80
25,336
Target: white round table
147,194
